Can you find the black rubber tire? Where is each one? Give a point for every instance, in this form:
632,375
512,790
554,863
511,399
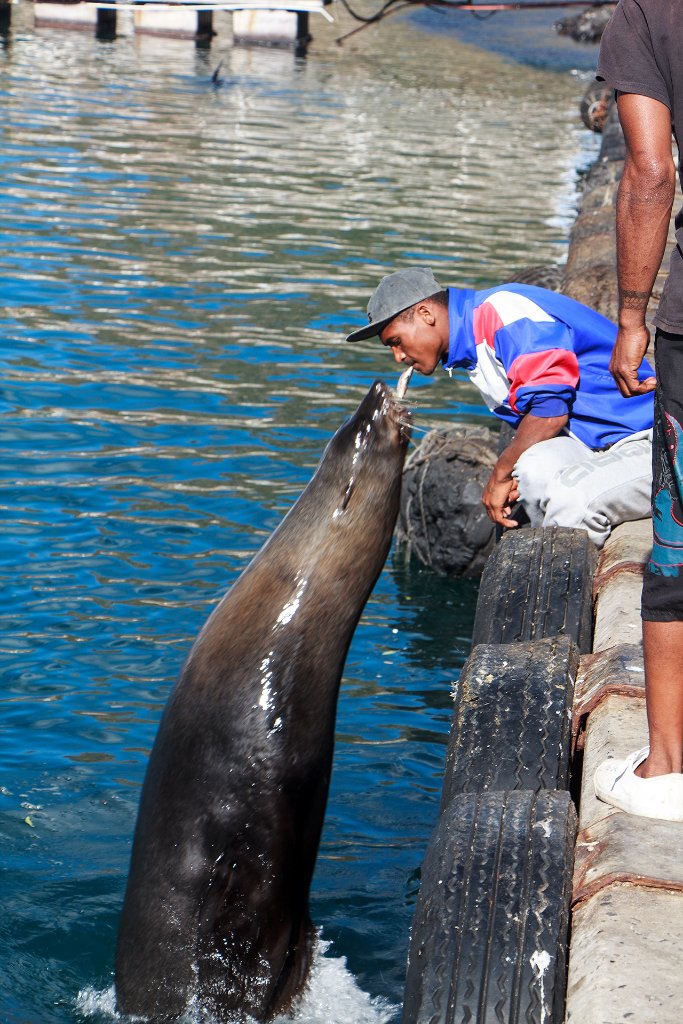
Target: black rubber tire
512,718
490,931
537,583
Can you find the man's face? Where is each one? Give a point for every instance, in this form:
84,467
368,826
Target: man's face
418,341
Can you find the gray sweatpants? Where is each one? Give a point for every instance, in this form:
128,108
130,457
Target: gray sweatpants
564,483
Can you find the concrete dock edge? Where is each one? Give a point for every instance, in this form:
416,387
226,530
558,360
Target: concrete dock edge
627,903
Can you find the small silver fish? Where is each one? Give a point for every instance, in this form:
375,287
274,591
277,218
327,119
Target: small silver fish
403,382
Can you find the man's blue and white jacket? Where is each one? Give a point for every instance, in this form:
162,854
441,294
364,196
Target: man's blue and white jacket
531,350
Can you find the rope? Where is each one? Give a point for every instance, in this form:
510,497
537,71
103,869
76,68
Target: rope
438,444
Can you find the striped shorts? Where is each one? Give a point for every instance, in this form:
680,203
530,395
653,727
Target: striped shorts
662,599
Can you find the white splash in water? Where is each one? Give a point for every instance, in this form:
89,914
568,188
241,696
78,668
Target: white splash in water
333,997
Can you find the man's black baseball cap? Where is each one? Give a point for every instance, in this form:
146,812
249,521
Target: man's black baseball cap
395,293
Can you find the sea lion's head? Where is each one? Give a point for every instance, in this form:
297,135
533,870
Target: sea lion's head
358,479
342,525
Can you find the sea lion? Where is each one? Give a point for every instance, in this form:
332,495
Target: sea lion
231,810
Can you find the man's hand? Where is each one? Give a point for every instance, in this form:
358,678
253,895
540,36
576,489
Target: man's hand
502,491
627,355
498,497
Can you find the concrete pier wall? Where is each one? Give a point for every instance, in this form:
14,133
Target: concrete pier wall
590,274
627,903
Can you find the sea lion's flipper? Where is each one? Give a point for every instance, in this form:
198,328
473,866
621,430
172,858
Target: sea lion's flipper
235,931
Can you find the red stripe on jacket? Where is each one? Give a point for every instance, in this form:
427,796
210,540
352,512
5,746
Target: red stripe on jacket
485,322
555,366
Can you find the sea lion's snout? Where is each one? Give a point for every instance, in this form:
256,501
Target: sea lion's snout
383,406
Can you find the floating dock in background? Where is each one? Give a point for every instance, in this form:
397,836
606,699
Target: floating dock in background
265,22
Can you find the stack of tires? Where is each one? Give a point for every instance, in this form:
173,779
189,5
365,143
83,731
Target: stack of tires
490,931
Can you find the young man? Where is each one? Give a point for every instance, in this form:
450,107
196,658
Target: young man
640,57
581,453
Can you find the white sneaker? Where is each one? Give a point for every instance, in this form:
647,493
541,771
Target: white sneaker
659,797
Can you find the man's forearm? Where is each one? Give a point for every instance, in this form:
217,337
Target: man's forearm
644,202
643,213
530,431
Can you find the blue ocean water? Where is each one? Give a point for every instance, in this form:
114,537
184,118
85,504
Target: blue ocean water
178,266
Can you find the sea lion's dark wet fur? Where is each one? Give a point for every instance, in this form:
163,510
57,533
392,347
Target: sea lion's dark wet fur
233,801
